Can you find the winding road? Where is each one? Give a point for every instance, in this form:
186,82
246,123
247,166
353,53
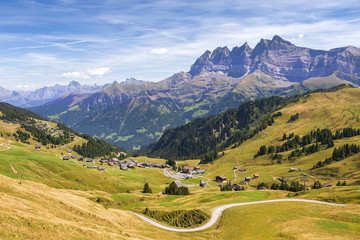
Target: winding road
216,213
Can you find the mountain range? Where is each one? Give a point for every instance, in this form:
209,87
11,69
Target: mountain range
136,114
45,94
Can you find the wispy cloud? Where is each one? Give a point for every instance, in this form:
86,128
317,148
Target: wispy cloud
152,40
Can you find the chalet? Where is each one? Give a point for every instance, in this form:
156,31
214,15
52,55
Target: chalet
131,165
221,178
201,172
247,179
123,167
187,169
72,135
202,183
327,185
111,163
95,167
90,160
235,167
114,160
242,170
293,169
74,157
37,147
66,158
196,168
101,168
81,159
256,175
89,166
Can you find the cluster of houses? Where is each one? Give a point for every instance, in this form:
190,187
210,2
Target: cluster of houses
16,122
239,169
153,165
50,130
94,167
122,164
222,178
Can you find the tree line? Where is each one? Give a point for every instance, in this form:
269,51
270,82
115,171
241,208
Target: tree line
339,154
318,138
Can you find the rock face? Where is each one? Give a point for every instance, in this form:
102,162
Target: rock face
281,59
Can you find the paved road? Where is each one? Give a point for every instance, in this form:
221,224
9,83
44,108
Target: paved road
216,213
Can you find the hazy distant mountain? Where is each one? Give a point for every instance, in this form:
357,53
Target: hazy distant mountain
132,81
136,113
45,94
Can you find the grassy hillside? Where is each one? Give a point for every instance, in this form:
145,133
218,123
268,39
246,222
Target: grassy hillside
332,110
49,187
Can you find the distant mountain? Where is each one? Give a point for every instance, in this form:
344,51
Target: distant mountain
134,81
136,113
45,94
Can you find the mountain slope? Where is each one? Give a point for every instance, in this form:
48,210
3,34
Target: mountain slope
217,81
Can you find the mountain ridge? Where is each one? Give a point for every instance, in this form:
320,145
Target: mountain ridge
217,81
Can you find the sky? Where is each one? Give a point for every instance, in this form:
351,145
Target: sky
45,42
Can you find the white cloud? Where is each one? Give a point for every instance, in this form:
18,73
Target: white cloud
301,35
159,51
98,72
75,75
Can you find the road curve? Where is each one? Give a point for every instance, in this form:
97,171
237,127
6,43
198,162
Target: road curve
216,213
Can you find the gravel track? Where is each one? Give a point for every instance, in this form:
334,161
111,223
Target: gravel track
217,212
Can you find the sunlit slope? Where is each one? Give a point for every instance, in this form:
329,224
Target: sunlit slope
46,166
333,110
34,211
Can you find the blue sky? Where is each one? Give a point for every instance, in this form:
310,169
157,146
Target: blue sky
49,42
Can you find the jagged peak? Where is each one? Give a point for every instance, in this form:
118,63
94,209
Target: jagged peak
74,84
277,41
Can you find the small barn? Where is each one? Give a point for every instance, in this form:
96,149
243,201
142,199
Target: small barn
187,169
256,175
66,158
247,179
220,178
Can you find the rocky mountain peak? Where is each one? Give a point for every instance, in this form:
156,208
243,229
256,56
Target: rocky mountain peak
280,59
74,84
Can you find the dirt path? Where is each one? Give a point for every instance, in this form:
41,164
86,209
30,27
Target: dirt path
13,169
70,143
217,212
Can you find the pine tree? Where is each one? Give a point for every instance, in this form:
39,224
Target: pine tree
147,188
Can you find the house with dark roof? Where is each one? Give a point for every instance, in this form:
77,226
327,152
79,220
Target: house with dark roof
220,178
